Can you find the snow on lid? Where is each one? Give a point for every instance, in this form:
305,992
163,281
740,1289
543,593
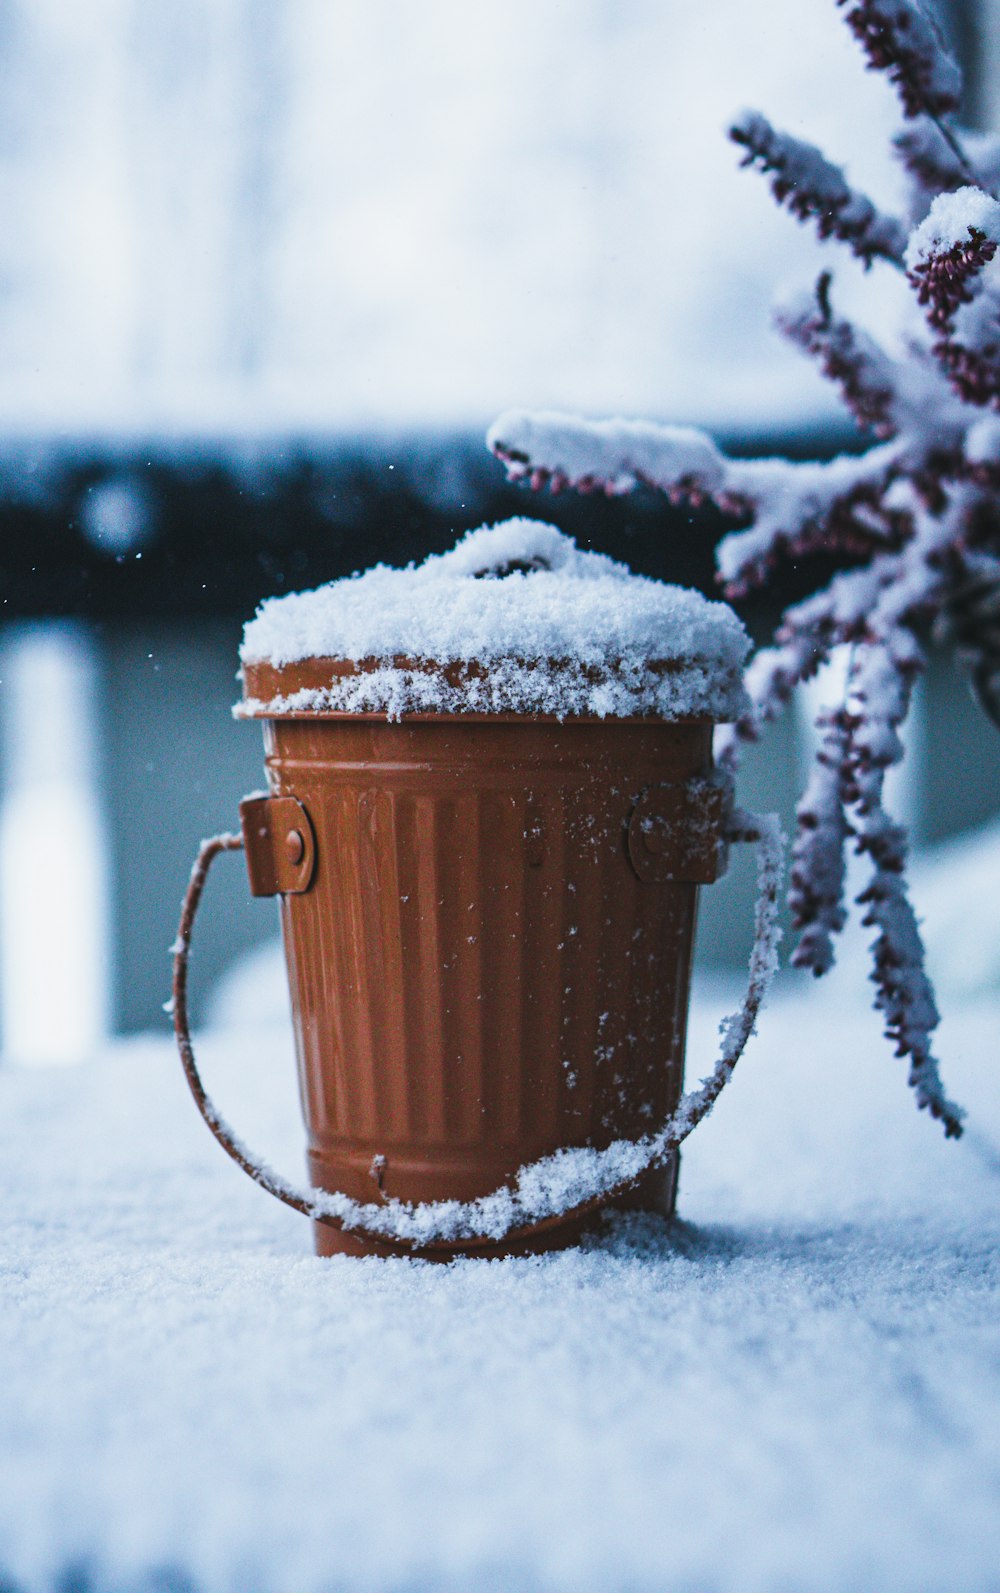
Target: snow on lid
949,221
541,626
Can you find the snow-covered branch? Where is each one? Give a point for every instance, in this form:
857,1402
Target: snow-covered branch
936,167
867,378
813,189
881,684
971,352
610,456
809,506
771,679
902,40
816,884
947,252
951,263
914,522
795,508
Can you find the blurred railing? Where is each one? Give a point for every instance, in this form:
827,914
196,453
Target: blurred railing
127,572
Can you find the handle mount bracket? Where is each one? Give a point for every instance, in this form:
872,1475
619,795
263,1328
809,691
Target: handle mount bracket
280,845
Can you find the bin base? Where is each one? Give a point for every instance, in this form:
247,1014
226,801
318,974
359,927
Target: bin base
656,1192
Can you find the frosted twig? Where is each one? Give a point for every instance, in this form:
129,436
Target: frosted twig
901,40
794,507
927,152
947,252
868,379
880,685
913,523
813,189
611,456
816,887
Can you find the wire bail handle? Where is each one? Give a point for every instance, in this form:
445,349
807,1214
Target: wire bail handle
338,1211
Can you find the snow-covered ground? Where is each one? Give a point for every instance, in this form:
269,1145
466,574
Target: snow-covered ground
795,1387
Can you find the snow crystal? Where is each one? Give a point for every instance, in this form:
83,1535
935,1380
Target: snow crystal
949,222
531,623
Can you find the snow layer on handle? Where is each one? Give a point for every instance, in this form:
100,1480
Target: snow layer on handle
950,221
554,1185
616,455
540,626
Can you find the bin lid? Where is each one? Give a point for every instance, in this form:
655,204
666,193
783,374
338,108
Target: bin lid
514,619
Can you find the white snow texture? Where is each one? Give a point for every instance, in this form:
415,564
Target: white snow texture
950,220
545,627
795,1388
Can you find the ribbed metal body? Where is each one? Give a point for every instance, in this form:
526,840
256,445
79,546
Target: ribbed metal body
478,974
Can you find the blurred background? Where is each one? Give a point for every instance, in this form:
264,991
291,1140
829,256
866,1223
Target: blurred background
268,268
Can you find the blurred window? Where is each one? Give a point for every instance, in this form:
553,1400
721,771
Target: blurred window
360,212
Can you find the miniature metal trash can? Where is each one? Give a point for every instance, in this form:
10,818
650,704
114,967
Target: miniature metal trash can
490,805
488,924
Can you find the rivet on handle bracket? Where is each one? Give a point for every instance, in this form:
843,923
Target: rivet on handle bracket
280,845
677,832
